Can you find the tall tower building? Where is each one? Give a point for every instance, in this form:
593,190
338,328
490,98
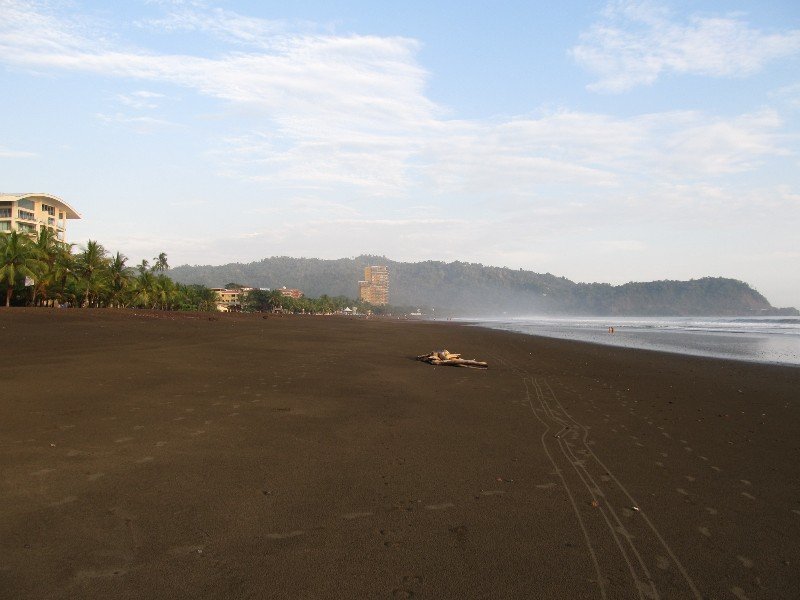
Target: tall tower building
375,287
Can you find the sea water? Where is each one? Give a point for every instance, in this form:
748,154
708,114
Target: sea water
758,339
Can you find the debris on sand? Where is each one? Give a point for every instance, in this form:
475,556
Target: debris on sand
444,357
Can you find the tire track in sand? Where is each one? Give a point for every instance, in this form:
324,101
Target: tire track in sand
635,541
649,530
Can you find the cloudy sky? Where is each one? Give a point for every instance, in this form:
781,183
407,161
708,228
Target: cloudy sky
603,141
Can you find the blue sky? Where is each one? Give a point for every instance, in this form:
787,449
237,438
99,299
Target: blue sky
602,141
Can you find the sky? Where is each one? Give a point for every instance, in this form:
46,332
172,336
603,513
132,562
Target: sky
601,141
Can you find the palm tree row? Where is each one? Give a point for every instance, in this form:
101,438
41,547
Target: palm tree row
43,271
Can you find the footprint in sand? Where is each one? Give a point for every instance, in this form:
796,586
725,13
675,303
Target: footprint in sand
189,549
704,531
441,506
284,536
122,440
746,562
94,476
145,459
41,472
738,593
81,577
748,496
356,515
662,563
63,501
711,511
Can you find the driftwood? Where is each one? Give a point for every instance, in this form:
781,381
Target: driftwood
443,357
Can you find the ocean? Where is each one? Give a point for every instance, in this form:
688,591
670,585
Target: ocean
755,339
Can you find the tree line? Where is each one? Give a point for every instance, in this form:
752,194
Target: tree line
258,300
43,271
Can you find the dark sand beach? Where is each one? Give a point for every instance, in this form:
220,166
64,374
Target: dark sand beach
159,455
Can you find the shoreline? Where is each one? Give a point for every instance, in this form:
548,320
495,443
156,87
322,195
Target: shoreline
707,344
232,455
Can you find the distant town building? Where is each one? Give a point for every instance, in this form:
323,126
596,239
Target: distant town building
31,212
291,293
229,299
375,287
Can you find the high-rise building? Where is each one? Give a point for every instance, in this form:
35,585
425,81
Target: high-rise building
30,213
375,287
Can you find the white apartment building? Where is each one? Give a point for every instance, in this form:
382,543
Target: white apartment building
29,213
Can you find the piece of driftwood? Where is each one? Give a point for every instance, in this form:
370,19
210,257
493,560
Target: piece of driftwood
443,357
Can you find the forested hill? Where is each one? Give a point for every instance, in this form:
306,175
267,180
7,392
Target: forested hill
474,289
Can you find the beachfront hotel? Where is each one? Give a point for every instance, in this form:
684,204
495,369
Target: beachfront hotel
30,213
375,287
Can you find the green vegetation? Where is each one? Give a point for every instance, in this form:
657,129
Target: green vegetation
270,300
474,289
90,277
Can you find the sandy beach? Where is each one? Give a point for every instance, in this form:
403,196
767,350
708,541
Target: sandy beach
164,455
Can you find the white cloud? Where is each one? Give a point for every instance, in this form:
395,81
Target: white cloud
223,24
636,42
137,123
9,153
349,114
141,99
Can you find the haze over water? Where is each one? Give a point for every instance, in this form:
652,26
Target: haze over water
755,339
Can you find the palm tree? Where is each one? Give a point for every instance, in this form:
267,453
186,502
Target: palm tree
143,266
16,260
91,263
45,250
163,290
143,287
119,278
160,263
64,271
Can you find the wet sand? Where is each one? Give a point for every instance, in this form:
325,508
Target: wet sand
147,455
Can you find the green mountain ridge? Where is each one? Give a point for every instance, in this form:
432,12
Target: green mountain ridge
474,289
